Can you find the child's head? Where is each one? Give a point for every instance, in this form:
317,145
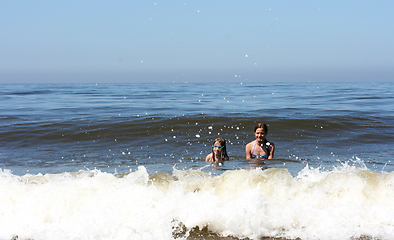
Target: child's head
219,146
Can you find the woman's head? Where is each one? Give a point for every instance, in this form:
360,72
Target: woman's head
260,131
261,125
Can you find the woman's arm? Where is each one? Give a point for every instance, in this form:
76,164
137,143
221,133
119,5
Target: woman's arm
271,151
248,150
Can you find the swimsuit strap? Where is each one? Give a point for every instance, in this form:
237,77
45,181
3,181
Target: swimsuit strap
259,156
212,158
255,142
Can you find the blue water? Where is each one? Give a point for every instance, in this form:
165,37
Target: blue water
126,161
50,128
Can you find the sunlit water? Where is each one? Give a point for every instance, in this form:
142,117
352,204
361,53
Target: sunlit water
126,161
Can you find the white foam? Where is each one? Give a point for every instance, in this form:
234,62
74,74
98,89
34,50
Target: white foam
342,203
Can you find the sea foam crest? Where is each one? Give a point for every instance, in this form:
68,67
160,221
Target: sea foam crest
348,201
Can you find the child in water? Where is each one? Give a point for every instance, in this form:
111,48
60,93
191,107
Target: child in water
219,151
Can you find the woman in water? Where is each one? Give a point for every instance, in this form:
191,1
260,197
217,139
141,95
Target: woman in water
260,148
219,151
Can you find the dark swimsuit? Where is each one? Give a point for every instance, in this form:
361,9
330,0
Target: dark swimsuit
265,156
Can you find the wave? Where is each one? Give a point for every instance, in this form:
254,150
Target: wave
347,202
122,141
352,128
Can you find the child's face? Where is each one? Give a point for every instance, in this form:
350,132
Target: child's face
217,147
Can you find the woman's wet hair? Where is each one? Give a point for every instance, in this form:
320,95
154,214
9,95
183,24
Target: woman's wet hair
261,125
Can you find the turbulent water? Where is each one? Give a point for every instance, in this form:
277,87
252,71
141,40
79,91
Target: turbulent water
126,161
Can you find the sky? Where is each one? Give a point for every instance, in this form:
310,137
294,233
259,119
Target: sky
196,41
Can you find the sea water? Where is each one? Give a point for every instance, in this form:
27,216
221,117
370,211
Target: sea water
126,161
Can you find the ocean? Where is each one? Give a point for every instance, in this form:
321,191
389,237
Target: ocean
126,161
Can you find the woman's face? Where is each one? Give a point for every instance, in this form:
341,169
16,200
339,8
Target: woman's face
260,134
217,148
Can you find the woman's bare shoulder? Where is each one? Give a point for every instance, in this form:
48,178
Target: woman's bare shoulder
250,144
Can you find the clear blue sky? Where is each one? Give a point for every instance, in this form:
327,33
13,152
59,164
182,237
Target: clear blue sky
191,41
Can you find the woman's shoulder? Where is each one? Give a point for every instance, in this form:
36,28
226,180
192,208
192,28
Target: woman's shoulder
251,143
269,143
